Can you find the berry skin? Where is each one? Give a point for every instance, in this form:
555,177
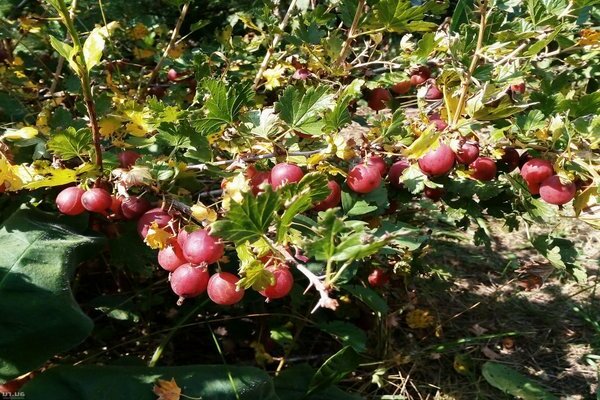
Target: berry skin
467,153
284,280
285,173
440,124
378,163
133,207
171,257
377,99
182,237
553,191
395,173
378,278
158,215
96,200
260,178
437,162
128,158
115,206
420,76
518,88
332,200
364,178
189,281
222,289
68,201
536,170
433,93
402,87
172,75
200,247
509,160
434,194
483,169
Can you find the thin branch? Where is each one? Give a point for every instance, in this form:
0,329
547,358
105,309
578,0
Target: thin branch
348,43
388,64
165,53
467,79
201,167
271,49
61,59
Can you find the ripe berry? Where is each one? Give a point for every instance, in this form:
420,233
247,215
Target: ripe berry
402,87
285,173
332,200
132,207
302,74
182,237
260,178
420,76
68,201
523,158
378,163
284,280
158,215
483,169
467,153
377,99
171,256
222,289
189,281
378,278
509,160
96,200
128,158
437,162
172,75
433,93
553,191
440,124
364,178
518,88
536,170
200,247
395,173
434,194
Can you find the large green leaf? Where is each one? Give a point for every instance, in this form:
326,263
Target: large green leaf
71,143
209,382
293,382
400,16
512,382
334,369
38,315
301,111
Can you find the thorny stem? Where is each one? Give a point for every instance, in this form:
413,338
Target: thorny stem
325,301
84,76
467,79
347,44
165,53
271,49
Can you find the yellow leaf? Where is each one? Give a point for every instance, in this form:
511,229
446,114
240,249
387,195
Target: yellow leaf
158,237
176,51
234,189
10,175
589,37
167,390
427,141
139,31
260,354
47,176
419,319
141,54
24,133
203,213
585,198
274,77
108,126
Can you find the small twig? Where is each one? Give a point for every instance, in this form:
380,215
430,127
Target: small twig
254,158
325,301
348,43
467,79
271,49
389,64
165,53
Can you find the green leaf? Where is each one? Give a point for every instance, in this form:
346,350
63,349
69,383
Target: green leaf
462,14
334,369
292,384
425,46
339,117
71,143
561,253
38,314
301,111
368,296
585,105
310,190
512,382
539,45
65,50
330,225
249,220
223,105
93,47
400,16
127,383
349,334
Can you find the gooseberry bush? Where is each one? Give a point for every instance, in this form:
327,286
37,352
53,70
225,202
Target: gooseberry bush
305,153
